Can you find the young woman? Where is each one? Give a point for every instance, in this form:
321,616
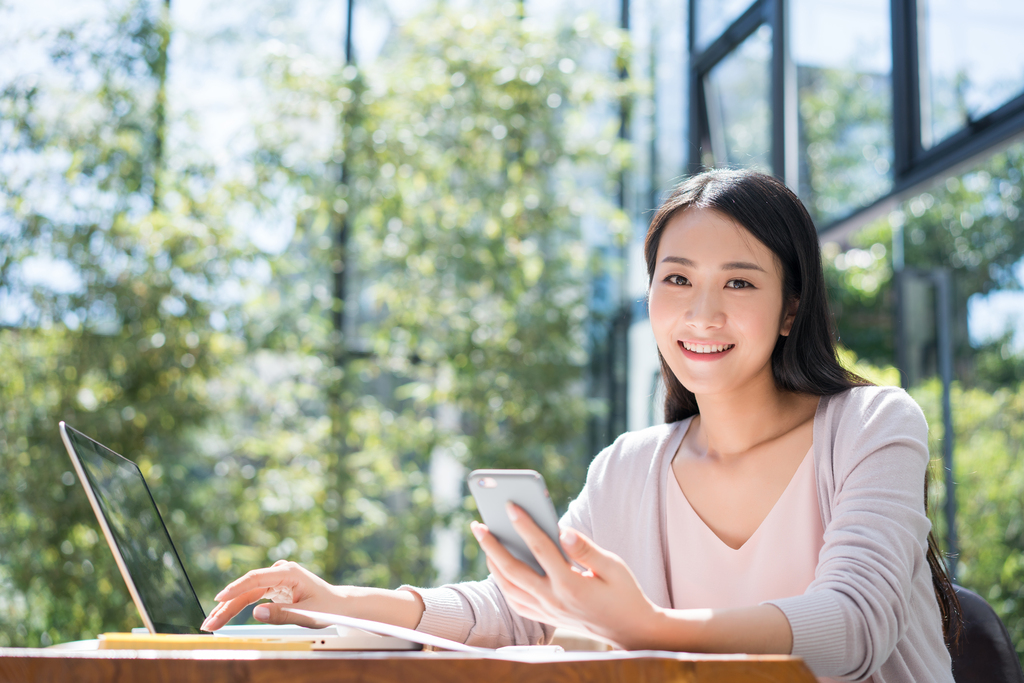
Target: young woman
780,509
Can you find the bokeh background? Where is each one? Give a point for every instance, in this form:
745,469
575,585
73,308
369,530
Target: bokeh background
310,262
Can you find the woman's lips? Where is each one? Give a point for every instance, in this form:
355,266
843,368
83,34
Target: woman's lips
711,351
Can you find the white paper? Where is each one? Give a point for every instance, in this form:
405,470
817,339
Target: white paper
387,630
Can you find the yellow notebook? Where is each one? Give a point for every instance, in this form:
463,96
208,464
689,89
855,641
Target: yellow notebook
173,641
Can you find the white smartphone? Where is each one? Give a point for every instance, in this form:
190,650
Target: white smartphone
493,489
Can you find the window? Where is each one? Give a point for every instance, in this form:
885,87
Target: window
714,16
738,95
842,57
972,62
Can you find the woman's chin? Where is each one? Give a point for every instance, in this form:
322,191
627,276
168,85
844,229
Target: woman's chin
708,387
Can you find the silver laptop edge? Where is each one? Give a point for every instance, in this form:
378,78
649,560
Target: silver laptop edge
101,518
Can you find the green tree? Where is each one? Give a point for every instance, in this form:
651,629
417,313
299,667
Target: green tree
118,339
989,475
265,431
463,146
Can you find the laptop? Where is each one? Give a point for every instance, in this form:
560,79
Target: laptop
152,568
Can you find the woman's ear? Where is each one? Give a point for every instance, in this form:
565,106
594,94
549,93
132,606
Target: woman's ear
789,315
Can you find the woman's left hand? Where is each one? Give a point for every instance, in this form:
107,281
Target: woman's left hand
603,598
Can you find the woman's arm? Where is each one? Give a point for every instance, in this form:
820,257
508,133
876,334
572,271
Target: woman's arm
474,612
288,584
603,598
872,586
761,629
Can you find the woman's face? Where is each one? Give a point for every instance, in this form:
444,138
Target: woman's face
716,302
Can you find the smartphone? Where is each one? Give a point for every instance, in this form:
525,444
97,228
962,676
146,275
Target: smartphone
493,489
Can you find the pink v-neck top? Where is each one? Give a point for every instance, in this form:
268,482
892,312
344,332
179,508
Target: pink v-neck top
777,561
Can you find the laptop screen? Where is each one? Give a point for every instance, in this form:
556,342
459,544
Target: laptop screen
140,536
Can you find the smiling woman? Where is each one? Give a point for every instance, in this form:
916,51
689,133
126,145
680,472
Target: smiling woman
779,510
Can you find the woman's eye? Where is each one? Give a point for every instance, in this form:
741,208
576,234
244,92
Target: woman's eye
677,280
738,284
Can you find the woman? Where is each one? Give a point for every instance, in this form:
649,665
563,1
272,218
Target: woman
778,510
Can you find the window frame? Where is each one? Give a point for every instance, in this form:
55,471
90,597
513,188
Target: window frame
913,165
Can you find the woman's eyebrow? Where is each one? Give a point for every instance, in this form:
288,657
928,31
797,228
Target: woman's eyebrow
731,265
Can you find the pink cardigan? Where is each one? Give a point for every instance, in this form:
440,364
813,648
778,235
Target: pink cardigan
871,609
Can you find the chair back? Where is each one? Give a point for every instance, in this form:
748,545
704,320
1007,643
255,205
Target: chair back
986,653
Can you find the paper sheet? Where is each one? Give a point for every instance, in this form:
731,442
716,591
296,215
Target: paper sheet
522,653
388,630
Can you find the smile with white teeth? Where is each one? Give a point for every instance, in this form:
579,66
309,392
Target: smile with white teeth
706,348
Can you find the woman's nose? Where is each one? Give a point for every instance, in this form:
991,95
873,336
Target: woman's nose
705,310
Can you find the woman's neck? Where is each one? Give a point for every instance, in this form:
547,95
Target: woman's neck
732,423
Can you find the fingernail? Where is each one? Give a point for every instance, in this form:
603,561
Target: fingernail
513,511
261,612
569,537
477,531
219,597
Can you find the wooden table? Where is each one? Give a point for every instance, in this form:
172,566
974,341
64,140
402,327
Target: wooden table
150,666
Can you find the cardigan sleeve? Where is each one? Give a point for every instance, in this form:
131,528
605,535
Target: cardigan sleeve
850,618
476,613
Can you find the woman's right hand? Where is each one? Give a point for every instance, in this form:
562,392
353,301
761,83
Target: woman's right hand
286,584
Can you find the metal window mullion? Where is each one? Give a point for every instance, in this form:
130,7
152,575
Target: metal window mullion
695,132
906,95
782,130
953,156
341,231
758,13
944,338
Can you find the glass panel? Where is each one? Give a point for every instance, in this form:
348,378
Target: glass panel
737,91
972,62
714,16
670,101
967,225
842,56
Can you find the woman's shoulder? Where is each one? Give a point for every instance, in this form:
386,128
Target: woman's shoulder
631,451
871,400
868,414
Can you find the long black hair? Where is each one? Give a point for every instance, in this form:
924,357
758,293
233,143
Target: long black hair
805,361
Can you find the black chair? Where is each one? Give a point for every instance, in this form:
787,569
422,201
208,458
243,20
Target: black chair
986,653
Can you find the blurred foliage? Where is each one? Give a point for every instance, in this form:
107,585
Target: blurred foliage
466,275
117,339
997,364
456,169
988,459
883,376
